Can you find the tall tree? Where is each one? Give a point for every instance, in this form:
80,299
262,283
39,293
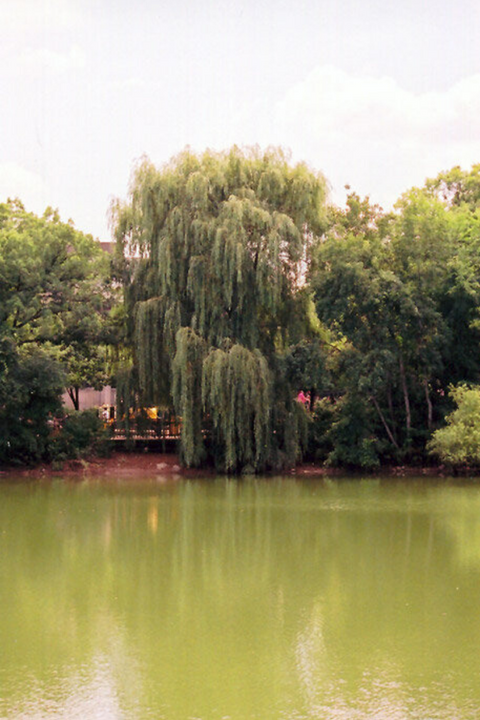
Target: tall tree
54,299
403,290
214,249
373,281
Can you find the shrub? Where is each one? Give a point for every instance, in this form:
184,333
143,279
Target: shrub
458,443
354,442
82,433
319,441
30,393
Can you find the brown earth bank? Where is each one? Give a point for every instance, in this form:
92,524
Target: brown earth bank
138,465
118,464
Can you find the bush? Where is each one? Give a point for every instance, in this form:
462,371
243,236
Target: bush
319,441
352,436
82,433
458,443
30,393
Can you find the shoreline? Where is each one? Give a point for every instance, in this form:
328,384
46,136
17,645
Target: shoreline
135,465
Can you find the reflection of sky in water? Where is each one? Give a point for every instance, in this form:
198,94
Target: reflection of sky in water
90,692
381,693
249,599
108,687
460,514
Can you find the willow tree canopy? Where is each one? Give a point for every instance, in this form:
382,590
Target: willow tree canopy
214,249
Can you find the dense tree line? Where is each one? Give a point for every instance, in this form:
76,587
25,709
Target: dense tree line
402,291
243,287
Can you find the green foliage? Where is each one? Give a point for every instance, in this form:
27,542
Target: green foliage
402,290
55,299
212,251
307,367
351,435
241,289
458,443
319,431
81,434
187,393
30,388
237,388
457,187
127,395
52,278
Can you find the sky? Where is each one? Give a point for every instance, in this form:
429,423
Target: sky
375,94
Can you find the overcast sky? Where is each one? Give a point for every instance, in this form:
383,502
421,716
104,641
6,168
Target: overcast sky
374,93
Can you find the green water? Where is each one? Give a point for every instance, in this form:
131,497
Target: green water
239,599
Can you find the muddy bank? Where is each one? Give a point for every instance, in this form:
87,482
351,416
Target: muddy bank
118,464
136,465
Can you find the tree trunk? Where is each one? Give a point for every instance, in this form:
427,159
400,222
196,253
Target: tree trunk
408,416
385,424
429,404
391,411
73,394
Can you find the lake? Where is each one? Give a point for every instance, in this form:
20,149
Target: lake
238,599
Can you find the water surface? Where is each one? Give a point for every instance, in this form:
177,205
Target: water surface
236,599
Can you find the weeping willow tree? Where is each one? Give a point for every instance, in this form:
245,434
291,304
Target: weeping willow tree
214,248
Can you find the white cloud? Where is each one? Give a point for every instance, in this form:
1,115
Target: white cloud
30,188
38,14
374,135
131,83
43,60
